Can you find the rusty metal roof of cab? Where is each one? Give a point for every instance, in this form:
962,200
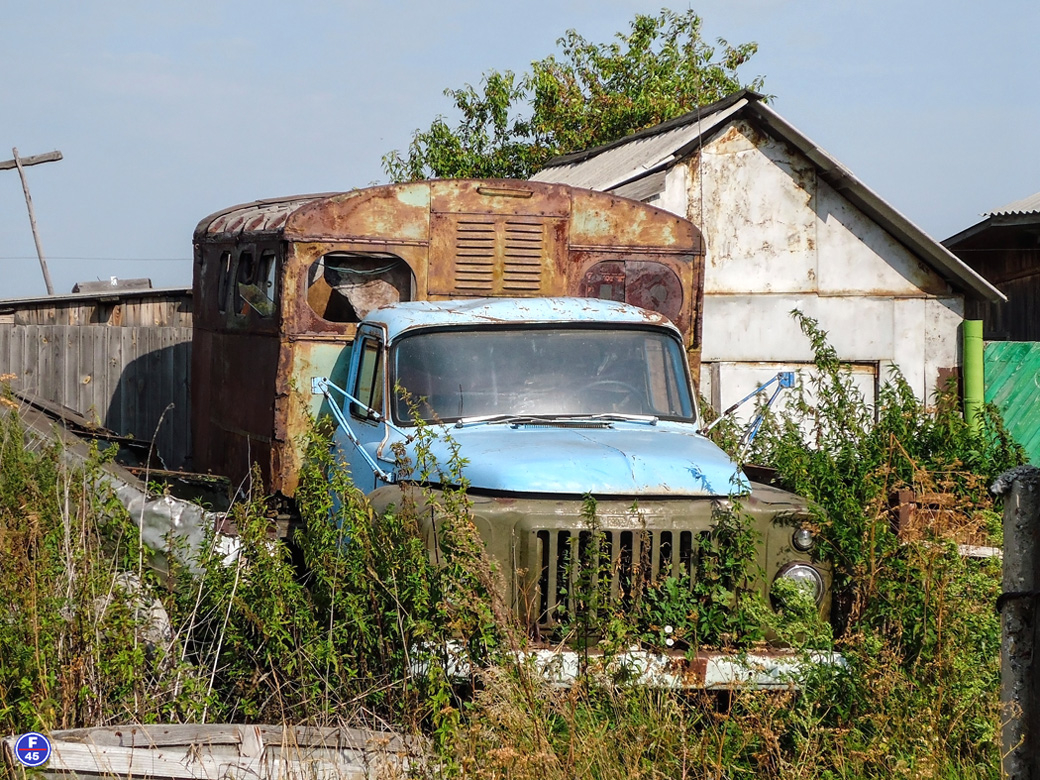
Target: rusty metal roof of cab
281,284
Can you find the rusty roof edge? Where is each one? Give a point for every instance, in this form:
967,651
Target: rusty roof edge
155,292
206,221
951,267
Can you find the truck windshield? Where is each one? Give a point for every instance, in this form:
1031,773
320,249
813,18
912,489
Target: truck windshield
552,372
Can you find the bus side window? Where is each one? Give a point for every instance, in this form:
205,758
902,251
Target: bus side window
346,286
223,281
243,278
257,283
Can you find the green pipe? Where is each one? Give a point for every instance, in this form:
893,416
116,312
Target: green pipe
974,374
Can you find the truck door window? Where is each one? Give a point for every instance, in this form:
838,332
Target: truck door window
664,377
368,387
346,286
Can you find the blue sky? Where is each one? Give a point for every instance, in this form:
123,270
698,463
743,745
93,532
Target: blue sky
166,112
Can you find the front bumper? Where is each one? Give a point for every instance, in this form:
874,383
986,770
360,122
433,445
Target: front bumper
758,670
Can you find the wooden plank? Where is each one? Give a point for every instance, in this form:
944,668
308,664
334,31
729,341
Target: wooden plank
6,336
91,368
31,360
195,752
128,380
45,367
334,736
169,433
197,762
71,336
108,375
151,387
16,354
154,735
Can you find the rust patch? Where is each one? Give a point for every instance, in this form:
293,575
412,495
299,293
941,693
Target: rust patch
691,672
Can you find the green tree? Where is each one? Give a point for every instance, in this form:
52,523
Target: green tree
591,94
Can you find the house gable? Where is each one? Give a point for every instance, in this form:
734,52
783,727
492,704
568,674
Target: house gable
772,225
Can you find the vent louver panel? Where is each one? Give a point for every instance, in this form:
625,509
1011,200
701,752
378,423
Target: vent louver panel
523,252
475,256
497,255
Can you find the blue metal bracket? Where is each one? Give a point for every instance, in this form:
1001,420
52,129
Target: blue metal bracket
320,385
783,380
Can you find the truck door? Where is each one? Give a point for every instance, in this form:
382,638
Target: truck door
366,383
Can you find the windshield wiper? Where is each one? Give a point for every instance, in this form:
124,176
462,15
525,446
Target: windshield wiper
649,419
502,418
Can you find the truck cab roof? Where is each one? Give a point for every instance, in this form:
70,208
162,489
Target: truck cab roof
402,317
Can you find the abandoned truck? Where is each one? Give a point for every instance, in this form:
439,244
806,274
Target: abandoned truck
280,286
549,400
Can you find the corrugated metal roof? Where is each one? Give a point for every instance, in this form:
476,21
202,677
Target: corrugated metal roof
643,189
1013,384
646,152
639,155
259,215
1030,205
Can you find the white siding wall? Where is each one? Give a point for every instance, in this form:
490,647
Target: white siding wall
779,239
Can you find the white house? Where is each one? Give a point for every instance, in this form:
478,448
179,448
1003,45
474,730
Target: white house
786,227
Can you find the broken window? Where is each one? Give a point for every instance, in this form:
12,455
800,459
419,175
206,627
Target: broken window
346,286
256,283
223,281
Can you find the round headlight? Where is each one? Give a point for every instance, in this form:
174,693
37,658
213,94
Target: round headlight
804,576
803,539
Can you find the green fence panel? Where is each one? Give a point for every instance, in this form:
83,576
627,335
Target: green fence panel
1013,384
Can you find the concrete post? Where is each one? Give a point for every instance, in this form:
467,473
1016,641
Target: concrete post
1019,682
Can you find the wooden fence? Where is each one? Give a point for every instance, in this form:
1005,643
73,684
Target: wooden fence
118,360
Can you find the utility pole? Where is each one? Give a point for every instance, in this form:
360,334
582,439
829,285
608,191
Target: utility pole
1019,608
21,163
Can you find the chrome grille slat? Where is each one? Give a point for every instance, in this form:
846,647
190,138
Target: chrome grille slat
634,558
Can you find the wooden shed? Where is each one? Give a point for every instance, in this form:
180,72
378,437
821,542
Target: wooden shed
1005,249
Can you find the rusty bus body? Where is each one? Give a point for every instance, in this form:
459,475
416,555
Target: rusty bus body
280,285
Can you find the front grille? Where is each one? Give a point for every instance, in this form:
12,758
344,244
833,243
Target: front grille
576,561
